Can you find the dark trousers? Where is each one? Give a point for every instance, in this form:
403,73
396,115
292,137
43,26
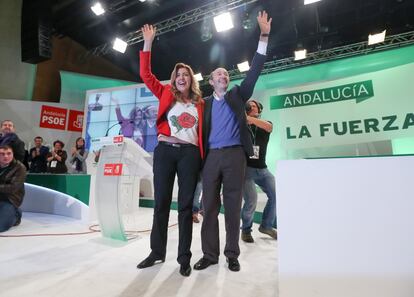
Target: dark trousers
223,166
169,161
9,215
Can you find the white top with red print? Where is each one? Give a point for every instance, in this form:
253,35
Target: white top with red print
183,122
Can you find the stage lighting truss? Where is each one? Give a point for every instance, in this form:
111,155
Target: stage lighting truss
360,48
190,17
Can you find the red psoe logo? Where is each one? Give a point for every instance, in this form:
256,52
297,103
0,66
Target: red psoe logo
113,169
118,139
75,122
53,117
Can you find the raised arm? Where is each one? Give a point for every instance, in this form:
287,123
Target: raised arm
248,83
265,24
265,125
118,112
148,33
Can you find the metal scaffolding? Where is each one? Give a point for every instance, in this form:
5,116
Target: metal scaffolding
360,48
190,17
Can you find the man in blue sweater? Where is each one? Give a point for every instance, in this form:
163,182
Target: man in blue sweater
227,142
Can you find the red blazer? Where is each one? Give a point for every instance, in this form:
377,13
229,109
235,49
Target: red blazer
166,98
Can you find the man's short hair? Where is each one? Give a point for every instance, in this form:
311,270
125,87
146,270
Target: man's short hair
38,137
6,147
2,122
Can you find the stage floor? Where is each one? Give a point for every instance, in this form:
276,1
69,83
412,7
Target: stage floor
88,265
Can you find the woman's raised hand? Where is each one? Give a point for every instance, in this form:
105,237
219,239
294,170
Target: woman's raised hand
148,32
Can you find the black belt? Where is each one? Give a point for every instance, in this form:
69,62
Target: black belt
226,147
178,145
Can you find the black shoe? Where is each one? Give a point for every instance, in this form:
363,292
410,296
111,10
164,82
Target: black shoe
185,269
203,263
271,232
149,261
234,264
18,221
247,237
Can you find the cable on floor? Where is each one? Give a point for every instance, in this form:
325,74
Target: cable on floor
92,229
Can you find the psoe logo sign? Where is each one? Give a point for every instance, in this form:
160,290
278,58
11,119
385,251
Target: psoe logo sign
113,169
53,117
75,122
118,139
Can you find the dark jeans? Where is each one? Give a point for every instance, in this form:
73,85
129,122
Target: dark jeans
168,161
223,166
266,181
197,193
9,215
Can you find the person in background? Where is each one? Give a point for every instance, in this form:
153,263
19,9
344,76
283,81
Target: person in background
178,153
150,128
258,174
97,156
133,125
26,159
96,106
38,156
78,157
227,142
8,136
92,107
197,201
12,177
56,158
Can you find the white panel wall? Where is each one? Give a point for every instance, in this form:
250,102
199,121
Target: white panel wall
346,227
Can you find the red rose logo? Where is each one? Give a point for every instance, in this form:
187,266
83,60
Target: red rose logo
186,120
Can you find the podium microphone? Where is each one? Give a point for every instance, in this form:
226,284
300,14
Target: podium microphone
107,131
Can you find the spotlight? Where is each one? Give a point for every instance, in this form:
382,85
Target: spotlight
120,45
98,9
141,0
244,66
198,76
311,1
376,38
300,54
223,22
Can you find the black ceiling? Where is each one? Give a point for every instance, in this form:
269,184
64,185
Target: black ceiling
319,26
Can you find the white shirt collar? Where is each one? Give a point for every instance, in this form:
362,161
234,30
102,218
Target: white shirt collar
217,96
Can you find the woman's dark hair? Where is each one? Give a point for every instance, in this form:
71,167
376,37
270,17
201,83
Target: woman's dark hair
58,141
76,142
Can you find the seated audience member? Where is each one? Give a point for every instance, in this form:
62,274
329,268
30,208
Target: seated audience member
57,158
79,155
12,177
9,137
38,156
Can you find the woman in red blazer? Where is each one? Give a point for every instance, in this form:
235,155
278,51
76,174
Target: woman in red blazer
179,152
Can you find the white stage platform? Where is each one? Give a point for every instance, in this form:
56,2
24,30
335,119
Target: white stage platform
88,265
